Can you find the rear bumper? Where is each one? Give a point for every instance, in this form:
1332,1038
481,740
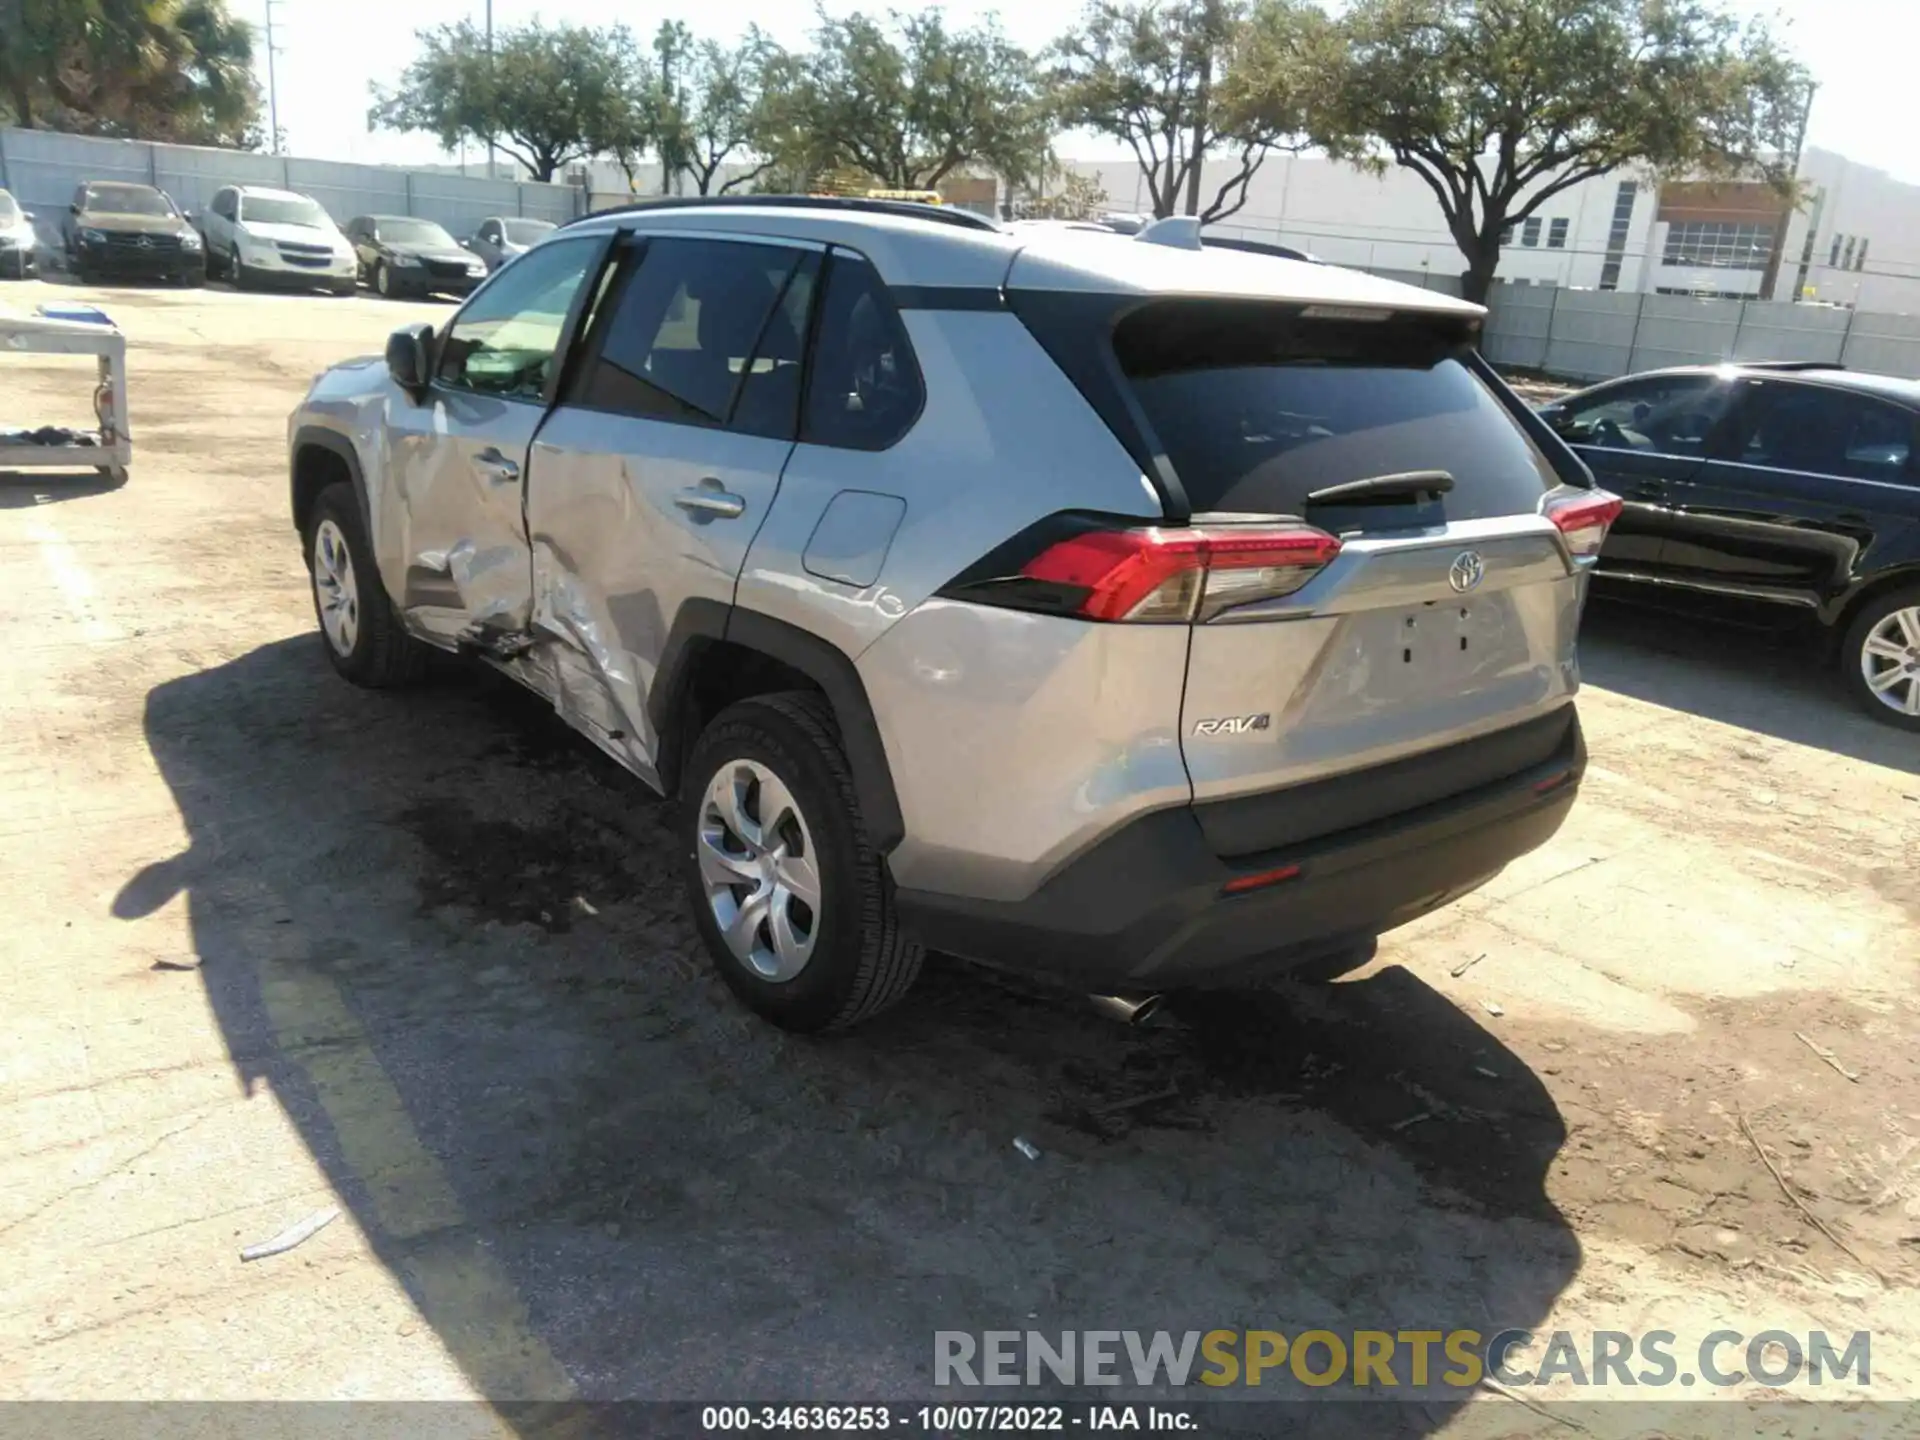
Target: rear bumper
1147,908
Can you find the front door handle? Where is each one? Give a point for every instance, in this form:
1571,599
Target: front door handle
495,468
709,501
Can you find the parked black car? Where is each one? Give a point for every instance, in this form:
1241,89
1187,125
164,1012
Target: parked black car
1790,485
401,255
131,232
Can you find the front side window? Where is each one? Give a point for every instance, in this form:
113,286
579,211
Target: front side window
1823,431
683,337
865,391
1663,415
505,341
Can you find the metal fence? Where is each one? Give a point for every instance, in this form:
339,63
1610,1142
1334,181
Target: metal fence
1601,334
42,168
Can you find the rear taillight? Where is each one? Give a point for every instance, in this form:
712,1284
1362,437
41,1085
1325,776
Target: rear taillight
1583,517
1178,575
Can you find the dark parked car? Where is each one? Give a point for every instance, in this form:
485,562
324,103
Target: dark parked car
404,256
131,232
1787,486
498,239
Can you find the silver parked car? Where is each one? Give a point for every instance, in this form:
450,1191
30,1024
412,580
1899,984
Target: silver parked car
1118,610
498,238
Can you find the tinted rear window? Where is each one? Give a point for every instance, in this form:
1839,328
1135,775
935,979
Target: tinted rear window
1257,407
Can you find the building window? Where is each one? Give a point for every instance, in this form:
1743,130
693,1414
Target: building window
1530,232
1833,255
1860,260
1846,255
1506,235
1719,245
1617,234
1557,235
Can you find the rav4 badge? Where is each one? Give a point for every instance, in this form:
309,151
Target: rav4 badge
1232,724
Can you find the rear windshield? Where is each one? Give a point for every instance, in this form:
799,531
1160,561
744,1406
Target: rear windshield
127,200
525,232
1257,407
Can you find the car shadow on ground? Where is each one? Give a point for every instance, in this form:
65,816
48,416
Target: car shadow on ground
1774,682
448,938
27,489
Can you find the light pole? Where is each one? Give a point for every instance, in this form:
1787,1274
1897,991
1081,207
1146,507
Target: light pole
490,99
273,88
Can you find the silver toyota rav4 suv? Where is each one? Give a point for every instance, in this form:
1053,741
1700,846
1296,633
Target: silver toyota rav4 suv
1112,609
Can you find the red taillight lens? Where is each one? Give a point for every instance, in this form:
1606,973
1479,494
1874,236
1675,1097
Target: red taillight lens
1183,575
1583,517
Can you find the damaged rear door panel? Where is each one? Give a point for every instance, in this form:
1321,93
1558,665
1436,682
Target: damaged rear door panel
654,473
458,459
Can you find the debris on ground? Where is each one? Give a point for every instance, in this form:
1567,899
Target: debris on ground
1492,1007
170,963
1801,1205
1133,1102
1466,965
293,1235
1411,1121
1828,1056
1026,1147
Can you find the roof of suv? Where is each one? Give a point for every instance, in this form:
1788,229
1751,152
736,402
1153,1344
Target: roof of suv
925,247
1897,388
269,192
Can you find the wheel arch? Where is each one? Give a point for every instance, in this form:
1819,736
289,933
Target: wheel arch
717,654
320,457
1903,576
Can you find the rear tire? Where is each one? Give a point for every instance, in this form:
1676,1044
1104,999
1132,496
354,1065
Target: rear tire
359,628
776,764
1884,680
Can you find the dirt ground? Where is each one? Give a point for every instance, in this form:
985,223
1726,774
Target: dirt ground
276,945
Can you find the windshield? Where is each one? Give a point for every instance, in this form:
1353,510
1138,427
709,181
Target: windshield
297,211
9,211
1258,408
127,200
525,232
413,232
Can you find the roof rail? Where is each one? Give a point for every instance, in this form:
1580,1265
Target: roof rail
907,209
1787,364
1256,247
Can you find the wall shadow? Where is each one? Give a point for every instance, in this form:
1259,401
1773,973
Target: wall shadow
447,936
1773,681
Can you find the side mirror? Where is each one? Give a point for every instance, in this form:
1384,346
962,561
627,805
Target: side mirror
27,215
409,356
74,208
1554,415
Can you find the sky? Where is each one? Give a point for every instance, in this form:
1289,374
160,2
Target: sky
331,52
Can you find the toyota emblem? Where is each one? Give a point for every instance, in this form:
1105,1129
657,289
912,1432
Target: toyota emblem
1467,571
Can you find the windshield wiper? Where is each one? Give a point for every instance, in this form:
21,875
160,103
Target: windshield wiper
1412,485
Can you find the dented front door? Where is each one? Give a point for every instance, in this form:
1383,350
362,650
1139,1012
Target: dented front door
458,459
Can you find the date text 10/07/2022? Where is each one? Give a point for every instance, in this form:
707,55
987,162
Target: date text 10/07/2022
948,1419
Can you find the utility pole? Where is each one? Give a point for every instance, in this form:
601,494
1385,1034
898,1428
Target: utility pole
273,88
490,99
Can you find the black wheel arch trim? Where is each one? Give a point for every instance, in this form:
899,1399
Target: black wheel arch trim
320,437
1839,611
701,622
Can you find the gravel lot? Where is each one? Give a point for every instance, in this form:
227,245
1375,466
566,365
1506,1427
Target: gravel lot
275,944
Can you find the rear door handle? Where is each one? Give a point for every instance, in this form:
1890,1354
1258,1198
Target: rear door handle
707,500
495,468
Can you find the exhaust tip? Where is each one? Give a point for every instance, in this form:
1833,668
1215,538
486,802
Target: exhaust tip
1127,1009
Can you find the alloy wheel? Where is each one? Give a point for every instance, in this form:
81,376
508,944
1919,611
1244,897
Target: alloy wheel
335,588
1890,661
757,868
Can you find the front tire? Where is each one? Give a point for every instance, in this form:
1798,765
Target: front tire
1881,658
383,280
789,895
359,628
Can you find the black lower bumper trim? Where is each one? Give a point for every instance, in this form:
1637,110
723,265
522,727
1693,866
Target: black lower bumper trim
1147,908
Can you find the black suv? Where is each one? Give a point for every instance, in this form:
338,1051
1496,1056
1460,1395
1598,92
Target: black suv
1788,485
131,232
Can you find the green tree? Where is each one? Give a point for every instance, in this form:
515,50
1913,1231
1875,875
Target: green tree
1078,197
719,108
909,101
1181,81
1500,105
177,70
546,96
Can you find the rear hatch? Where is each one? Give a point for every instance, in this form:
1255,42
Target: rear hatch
1385,574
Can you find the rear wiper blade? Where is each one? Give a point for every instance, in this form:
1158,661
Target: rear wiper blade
1406,485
